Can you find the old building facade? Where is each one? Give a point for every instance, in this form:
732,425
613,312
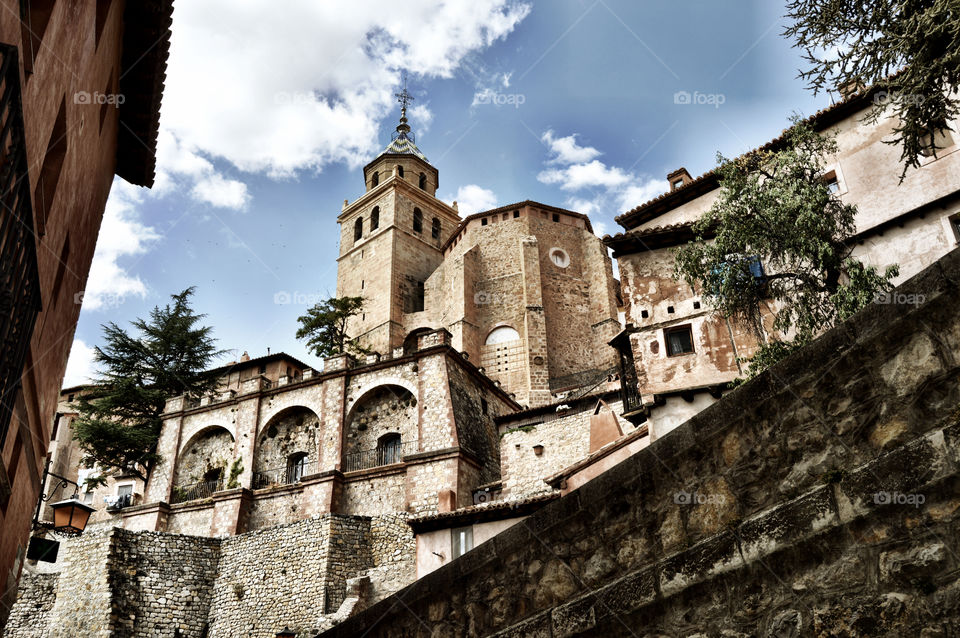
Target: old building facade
683,354
81,88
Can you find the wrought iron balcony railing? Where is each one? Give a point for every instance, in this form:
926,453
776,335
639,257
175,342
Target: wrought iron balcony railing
196,491
386,455
19,281
288,475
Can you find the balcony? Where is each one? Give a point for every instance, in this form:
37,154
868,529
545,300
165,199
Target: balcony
382,455
120,501
196,491
291,474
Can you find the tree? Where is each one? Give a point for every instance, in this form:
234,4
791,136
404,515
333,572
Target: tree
325,327
909,50
775,213
119,419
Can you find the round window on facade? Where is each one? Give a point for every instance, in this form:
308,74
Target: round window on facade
559,257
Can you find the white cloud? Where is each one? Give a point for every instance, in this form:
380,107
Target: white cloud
121,235
473,199
219,191
80,365
420,118
567,151
597,189
283,91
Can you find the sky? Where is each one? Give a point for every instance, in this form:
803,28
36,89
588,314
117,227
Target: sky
269,116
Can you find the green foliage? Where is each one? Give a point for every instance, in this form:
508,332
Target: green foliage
908,49
236,469
119,418
325,327
774,205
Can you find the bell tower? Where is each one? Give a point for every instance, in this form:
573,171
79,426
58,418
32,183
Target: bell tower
390,240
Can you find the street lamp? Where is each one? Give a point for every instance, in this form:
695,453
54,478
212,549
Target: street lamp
69,518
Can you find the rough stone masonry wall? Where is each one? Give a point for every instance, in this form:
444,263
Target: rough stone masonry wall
820,499
565,440
29,617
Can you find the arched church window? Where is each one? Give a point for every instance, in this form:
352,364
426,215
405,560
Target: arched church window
375,180
435,229
296,464
358,229
375,218
389,449
423,181
417,220
502,334
399,171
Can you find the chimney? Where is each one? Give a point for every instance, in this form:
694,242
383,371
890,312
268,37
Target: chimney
849,89
244,356
679,178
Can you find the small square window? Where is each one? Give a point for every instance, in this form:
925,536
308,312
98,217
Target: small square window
936,144
263,369
483,222
556,217
678,183
516,214
670,310
696,305
679,340
644,314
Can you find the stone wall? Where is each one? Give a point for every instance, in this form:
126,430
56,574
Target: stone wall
820,499
565,439
30,616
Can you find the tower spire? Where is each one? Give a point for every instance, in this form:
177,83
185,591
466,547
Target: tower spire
404,98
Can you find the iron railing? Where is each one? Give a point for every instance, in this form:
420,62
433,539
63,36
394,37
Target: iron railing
196,491
629,383
19,281
284,475
387,455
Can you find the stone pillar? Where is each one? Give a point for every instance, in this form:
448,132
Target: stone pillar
146,518
535,325
230,510
321,493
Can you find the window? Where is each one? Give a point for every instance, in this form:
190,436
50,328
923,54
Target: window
124,496
556,217
678,183
955,225
88,497
56,426
516,214
50,171
389,449
744,269
933,144
375,180
263,369
34,16
417,220
419,298
423,181
483,405
358,229
483,222
296,464
375,218
559,257
70,398
212,478
399,171
435,229
679,340
833,184
461,541
502,334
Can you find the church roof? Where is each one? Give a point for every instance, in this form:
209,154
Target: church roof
403,144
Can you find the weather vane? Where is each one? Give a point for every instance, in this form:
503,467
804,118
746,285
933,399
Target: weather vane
404,97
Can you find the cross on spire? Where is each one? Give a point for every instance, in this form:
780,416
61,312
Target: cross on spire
404,98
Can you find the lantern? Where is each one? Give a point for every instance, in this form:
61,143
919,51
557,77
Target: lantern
70,516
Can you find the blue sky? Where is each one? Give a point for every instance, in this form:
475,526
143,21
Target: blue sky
269,116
